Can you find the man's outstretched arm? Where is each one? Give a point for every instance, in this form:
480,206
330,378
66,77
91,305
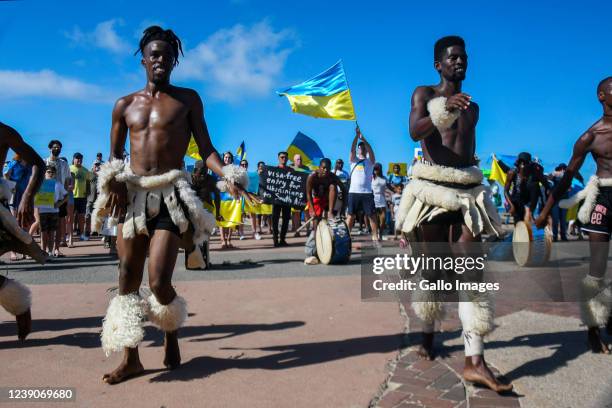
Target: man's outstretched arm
25,212
581,149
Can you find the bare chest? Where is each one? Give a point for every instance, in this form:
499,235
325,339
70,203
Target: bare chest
156,114
602,145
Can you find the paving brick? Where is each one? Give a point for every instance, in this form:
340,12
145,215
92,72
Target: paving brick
392,398
457,393
435,372
446,381
409,405
424,365
435,403
419,391
411,380
407,372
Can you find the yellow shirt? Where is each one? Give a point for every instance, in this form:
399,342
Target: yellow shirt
81,175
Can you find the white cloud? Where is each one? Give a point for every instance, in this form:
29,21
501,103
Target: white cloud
47,83
104,36
239,61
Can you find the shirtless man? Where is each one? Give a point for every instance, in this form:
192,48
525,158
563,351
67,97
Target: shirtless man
321,192
595,215
153,201
15,298
434,207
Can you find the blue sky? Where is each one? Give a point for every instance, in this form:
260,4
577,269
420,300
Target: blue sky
533,69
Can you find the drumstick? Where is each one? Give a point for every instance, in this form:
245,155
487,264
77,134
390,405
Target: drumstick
305,224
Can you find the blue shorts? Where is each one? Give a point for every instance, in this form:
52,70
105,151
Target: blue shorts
361,202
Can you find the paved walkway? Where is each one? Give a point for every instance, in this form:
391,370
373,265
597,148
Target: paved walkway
267,331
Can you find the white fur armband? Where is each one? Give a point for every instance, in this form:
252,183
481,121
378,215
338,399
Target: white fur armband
15,297
168,317
106,174
440,116
123,325
233,175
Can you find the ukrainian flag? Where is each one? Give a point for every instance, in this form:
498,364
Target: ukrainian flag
307,148
241,152
325,96
231,211
193,150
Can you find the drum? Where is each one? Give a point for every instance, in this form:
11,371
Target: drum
333,242
530,246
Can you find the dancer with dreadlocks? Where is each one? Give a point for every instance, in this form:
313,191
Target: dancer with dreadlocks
153,202
446,203
15,297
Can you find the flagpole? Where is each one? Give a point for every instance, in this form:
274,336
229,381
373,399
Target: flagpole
349,87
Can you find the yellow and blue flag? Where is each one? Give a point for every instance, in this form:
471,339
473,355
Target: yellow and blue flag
241,152
193,150
231,211
497,173
307,148
327,95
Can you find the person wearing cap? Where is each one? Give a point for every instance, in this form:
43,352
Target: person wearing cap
81,190
518,188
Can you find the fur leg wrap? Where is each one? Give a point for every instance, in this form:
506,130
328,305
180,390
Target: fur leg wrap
427,308
440,116
233,175
123,325
596,301
168,317
476,312
473,344
15,297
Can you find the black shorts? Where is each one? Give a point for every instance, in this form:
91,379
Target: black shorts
49,222
80,205
447,218
162,221
600,221
63,210
361,202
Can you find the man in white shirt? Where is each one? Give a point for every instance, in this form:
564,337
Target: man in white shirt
360,196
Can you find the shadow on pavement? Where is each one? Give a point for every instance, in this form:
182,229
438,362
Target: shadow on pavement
566,346
152,334
287,356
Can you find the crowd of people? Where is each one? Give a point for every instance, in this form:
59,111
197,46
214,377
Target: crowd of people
74,193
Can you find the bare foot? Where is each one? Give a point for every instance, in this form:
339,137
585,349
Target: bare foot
172,358
24,324
479,373
125,371
595,342
426,350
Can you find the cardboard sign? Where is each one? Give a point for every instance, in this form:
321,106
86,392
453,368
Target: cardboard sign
283,186
45,198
